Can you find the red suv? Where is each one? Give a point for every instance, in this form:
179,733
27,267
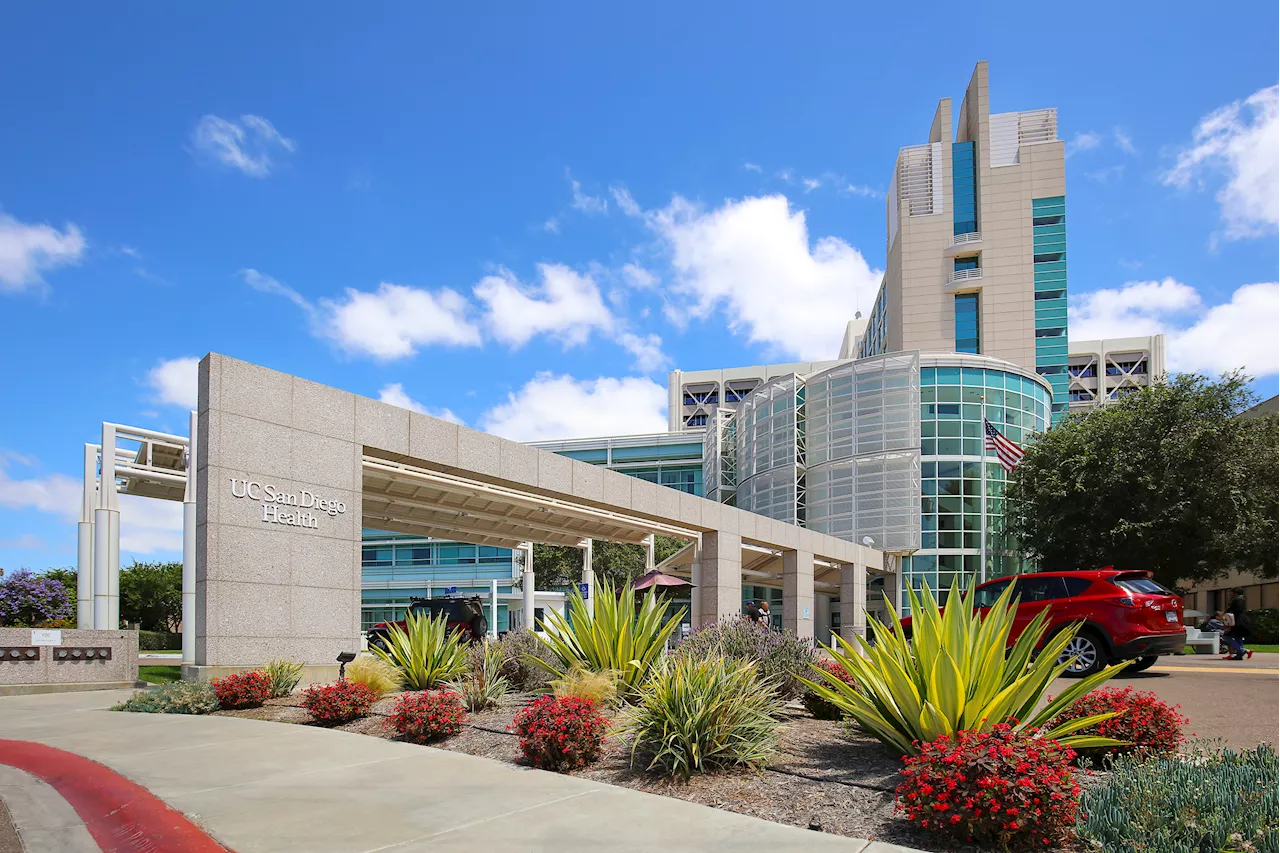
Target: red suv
1124,615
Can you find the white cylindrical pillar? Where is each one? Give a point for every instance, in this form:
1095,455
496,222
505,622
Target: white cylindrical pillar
84,540
493,608
649,563
588,576
527,584
695,594
189,553
106,539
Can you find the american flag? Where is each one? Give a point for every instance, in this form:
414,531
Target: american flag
1010,454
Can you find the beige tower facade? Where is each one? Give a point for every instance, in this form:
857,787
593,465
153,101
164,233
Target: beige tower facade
976,241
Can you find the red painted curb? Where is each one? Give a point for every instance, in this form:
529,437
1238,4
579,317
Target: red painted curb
122,817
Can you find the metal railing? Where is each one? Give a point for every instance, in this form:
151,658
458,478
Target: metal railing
971,237
966,275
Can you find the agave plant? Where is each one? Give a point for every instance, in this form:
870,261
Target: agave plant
483,685
425,650
956,672
608,635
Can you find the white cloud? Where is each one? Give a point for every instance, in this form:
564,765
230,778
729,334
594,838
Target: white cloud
54,493
638,277
565,305
863,190
810,184
550,407
646,349
175,381
588,204
1082,142
246,144
752,167
396,396
753,259
1239,141
266,284
1106,175
27,250
626,203
551,226
395,320
1234,334
130,251
1124,141
26,540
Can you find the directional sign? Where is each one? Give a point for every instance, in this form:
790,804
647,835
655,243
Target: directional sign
585,589
451,590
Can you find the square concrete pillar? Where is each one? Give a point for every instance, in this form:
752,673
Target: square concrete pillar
853,601
822,609
797,593
893,582
719,577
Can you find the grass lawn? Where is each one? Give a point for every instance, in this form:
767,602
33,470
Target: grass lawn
1190,650
159,651
159,674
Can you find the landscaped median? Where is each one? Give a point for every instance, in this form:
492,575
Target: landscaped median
944,741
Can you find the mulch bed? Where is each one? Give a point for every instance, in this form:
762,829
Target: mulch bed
822,777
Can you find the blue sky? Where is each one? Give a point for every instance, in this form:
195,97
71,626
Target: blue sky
497,208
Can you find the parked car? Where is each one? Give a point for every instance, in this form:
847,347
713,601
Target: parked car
1123,615
464,615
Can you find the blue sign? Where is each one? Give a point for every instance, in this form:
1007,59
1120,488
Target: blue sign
585,589
451,590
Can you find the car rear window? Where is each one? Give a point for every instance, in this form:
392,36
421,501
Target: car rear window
1142,586
1076,586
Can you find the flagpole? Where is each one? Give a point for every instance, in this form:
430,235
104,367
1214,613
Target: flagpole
982,566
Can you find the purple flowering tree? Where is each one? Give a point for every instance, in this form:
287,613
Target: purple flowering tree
28,599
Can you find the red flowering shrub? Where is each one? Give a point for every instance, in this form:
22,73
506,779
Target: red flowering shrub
815,704
242,689
340,702
1003,788
427,715
1145,722
561,733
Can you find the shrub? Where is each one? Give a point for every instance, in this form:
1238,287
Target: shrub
376,674
1219,800
956,673
340,702
1144,722
599,687
177,697
285,675
816,705
696,714
156,641
26,599
483,685
247,689
427,715
1006,787
1263,624
425,650
517,647
610,634
780,658
561,733
56,623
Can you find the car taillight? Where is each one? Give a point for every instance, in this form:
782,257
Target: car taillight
1125,601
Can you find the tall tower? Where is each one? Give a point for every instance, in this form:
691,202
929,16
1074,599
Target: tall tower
976,241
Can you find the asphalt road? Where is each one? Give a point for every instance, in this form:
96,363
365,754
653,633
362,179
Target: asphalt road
1237,702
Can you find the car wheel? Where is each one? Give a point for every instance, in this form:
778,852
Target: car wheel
1085,653
479,628
1140,664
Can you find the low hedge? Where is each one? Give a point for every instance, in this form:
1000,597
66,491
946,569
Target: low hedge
155,641
1263,624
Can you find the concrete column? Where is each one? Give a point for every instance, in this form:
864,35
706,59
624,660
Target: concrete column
797,593
189,553
721,576
527,588
649,563
84,540
106,539
853,601
695,594
893,582
822,612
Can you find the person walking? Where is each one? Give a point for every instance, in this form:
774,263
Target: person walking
1238,629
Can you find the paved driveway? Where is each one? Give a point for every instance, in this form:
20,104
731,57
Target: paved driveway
258,786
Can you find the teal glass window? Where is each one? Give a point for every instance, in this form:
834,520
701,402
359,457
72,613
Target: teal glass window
967,324
969,263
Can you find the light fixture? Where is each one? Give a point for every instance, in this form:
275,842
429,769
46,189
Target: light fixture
868,541
344,658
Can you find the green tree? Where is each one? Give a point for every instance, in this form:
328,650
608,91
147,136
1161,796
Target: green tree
619,563
70,580
1170,479
151,595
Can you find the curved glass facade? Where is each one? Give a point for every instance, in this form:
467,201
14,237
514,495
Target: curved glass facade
955,391
770,442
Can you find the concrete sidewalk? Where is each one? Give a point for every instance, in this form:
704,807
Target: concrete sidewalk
276,788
